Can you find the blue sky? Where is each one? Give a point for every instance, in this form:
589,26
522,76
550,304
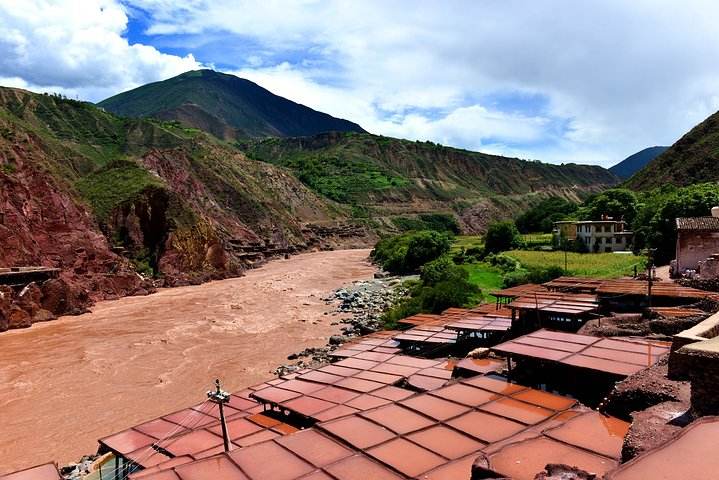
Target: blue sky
557,80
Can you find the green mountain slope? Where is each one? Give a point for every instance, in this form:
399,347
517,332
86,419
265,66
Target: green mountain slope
171,199
224,105
383,177
633,163
692,159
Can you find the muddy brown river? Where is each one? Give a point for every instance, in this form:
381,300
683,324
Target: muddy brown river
66,383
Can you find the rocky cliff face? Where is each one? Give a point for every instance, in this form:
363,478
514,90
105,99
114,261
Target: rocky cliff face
104,199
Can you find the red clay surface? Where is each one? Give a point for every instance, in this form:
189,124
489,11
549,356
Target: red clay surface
691,455
41,472
138,358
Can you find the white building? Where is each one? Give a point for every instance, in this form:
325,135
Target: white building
597,235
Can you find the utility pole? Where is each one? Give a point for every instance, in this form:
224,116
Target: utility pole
650,265
220,397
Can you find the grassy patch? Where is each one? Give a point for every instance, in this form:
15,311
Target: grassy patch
118,183
467,242
596,265
486,277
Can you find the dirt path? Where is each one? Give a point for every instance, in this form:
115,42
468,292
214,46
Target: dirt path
67,383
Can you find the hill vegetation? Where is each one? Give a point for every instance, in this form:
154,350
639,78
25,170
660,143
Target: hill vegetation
692,159
151,185
227,106
384,177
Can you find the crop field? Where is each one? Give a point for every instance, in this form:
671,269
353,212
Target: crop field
477,241
596,265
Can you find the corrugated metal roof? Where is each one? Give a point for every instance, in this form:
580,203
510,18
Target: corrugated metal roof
698,223
619,356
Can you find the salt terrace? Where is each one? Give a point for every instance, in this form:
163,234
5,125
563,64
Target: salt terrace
379,413
432,435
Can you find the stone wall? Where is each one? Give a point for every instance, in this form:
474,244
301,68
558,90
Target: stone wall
694,247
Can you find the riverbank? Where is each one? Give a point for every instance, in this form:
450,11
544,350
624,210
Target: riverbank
67,383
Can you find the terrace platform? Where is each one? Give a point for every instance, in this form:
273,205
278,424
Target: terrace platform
21,276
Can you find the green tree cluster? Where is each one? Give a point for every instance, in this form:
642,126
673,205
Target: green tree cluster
406,253
542,216
502,236
442,285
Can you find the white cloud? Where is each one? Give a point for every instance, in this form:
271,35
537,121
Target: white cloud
77,47
616,76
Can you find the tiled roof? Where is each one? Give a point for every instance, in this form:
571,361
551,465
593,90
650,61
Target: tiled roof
698,223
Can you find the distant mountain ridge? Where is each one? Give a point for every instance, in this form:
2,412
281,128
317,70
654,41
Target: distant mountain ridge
694,158
227,106
633,163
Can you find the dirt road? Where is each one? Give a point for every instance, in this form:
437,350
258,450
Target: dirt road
67,383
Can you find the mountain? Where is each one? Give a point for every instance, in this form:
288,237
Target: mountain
101,196
633,163
382,178
692,159
227,106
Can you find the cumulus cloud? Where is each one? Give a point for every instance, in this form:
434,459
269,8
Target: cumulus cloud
613,76
77,47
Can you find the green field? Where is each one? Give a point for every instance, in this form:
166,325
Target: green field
597,265
466,242
485,277
477,241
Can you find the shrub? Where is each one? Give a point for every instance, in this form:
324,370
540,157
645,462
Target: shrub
502,236
442,285
407,253
503,262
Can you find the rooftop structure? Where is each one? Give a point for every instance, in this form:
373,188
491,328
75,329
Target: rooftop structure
697,240
564,311
691,454
605,235
435,435
616,356
20,276
47,471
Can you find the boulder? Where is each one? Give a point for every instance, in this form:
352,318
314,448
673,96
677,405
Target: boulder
216,256
6,296
563,472
18,318
479,352
43,315
56,296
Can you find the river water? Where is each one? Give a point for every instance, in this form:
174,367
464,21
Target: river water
66,383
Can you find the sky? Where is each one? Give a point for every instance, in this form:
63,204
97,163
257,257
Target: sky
584,81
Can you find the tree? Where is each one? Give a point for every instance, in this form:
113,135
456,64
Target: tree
542,216
424,247
692,201
502,236
618,203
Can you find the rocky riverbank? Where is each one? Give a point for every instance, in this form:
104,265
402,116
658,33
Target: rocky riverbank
359,307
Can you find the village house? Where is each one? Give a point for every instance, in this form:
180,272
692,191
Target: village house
606,235
698,246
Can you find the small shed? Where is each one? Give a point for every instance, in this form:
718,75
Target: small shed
697,240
